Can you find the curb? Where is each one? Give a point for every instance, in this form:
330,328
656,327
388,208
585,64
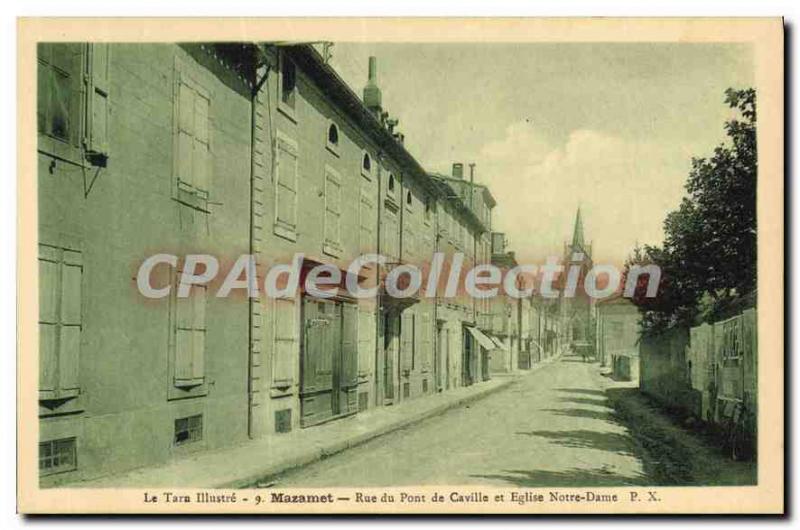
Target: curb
316,455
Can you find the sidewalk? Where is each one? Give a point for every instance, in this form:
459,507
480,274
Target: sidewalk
257,460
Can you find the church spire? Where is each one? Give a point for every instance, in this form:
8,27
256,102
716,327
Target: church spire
577,234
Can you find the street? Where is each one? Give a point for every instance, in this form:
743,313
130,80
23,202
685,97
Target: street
551,428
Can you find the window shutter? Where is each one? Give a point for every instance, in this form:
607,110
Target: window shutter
185,133
69,355
366,224
407,341
200,147
332,207
183,340
366,335
350,344
284,349
426,342
49,270
286,185
97,103
199,333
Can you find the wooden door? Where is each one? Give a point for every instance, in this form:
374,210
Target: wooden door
321,331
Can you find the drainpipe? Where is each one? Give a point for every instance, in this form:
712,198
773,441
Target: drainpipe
259,83
379,397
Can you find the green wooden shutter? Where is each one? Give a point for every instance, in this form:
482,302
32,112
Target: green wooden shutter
183,340
49,272
71,321
407,341
349,345
199,301
98,102
426,341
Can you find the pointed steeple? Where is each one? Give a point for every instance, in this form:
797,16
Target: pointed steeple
577,233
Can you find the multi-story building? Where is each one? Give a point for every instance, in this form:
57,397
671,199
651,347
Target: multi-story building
141,149
229,150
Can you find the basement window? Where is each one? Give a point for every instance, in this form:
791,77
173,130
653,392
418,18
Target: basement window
58,456
189,429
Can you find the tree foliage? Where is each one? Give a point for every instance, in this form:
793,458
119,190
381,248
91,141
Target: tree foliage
708,256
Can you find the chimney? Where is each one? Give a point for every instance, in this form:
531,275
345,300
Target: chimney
372,94
458,170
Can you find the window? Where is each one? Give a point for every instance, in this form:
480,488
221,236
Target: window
60,322
409,200
286,188
366,165
391,184
58,456
366,233
193,153
190,338
188,430
333,212
333,139
57,92
288,82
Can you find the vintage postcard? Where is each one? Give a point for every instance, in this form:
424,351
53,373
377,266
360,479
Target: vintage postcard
510,266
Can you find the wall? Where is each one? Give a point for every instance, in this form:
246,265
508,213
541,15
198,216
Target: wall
662,371
116,216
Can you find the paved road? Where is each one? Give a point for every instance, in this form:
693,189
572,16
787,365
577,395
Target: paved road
552,428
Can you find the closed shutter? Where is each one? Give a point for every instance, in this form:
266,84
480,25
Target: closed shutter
349,345
286,184
332,208
98,81
49,272
193,144
366,340
366,234
284,349
60,321
190,338
426,342
407,341
72,272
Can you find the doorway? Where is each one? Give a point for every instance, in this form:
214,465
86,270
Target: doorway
329,361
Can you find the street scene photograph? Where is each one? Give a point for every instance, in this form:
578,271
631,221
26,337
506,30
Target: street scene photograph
276,272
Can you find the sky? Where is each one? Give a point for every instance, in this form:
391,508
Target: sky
609,127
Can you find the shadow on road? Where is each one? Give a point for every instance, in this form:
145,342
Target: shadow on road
587,391
586,401
587,439
597,477
585,413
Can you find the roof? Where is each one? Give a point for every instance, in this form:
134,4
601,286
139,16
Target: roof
313,64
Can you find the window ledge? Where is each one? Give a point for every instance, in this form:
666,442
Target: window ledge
285,232
333,149
286,110
332,249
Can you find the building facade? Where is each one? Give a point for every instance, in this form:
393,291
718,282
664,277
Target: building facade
229,150
617,337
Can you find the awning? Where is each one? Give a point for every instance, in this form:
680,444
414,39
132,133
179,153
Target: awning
482,339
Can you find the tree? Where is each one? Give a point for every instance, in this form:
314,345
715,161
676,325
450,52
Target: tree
709,249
